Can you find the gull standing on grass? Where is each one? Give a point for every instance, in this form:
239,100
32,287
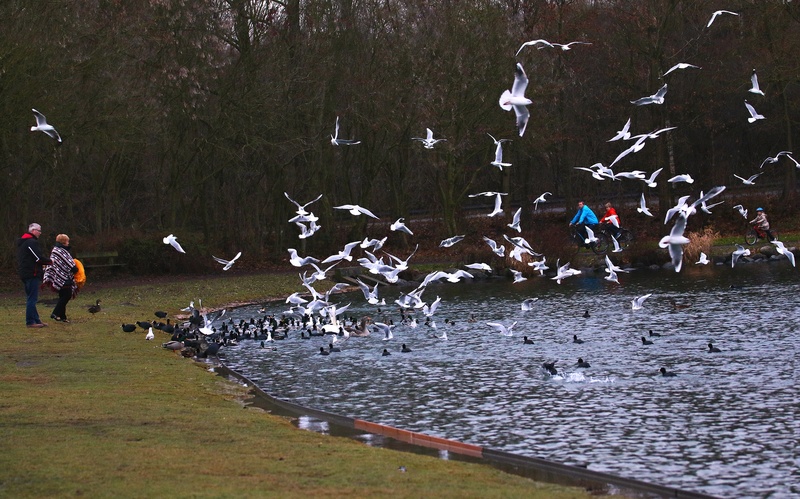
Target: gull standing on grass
173,241
335,140
227,263
43,126
498,153
515,99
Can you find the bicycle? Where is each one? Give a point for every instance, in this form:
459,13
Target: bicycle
754,233
624,237
599,246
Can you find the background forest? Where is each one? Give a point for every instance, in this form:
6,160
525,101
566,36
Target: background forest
193,117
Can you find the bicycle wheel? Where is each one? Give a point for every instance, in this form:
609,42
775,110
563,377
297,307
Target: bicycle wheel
625,238
751,237
601,245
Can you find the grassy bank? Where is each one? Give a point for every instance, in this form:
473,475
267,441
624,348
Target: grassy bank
89,410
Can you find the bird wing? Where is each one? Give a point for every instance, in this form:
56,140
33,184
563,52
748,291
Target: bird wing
520,82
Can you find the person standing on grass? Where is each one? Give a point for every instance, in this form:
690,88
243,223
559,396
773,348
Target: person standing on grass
29,265
60,276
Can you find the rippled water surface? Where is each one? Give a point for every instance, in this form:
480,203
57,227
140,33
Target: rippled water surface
725,425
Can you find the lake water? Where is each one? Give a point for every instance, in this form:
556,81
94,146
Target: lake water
725,425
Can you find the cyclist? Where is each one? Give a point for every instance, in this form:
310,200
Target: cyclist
585,217
610,221
762,223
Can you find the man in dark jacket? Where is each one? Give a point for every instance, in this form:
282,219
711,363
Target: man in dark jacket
30,260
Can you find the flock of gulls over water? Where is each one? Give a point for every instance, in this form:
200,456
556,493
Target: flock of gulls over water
314,314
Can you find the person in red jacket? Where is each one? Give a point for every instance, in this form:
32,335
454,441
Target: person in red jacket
610,220
30,260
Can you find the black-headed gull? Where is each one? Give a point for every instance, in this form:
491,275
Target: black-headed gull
590,237
502,328
684,177
643,207
518,277
748,181
717,13
738,252
675,242
527,304
623,134
446,243
149,336
680,65
335,140
612,276
487,194
399,226
301,208
307,231
429,311
515,99
563,272
656,98
375,244
356,210
371,295
568,46
297,261
638,302
43,126
498,153
497,249
173,241
774,159
544,43
651,182
498,206
515,221
703,259
343,254
479,266
540,199
227,264
742,210
754,116
783,250
754,88
428,142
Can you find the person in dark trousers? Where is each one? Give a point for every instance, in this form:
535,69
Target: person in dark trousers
60,276
29,265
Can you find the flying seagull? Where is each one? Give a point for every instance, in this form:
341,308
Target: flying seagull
43,126
680,65
717,13
301,208
498,153
623,134
335,140
173,241
544,43
227,263
356,210
540,199
656,98
748,181
428,142
515,99
643,207
754,84
401,227
446,243
754,116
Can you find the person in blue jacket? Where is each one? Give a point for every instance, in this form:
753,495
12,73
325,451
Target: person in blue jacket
585,217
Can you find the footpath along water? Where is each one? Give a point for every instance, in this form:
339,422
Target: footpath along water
725,425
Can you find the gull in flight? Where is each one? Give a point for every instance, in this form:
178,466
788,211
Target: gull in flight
590,238
401,227
356,210
748,181
498,206
527,304
651,182
343,254
306,232
612,276
656,98
780,248
173,241
541,265
301,208
636,303
498,153
540,199
610,267
681,207
754,116
497,249
643,207
623,134
43,126
568,46
717,13
335,140
544,43
515,99
563,272
770,160
428,142
742,210
518,276
703,259
446,243
479,266
376,244
502,328
754,88
617,247
227,263
429,311
515,222
370,295
685,177
680,65
487,194
739,251
296,261
675,242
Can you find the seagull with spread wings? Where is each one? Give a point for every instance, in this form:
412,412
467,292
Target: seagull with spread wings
43,126
335,140
515,99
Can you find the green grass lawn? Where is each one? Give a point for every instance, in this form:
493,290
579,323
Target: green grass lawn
88,410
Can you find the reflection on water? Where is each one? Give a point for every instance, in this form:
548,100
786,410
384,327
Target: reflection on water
723,426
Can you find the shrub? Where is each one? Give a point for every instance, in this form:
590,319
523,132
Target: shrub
700,241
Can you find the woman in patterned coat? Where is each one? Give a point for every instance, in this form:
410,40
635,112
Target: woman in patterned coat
59,276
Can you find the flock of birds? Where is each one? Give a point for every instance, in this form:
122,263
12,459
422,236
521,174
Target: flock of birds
200,333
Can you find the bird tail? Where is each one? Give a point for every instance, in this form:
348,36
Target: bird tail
504,101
